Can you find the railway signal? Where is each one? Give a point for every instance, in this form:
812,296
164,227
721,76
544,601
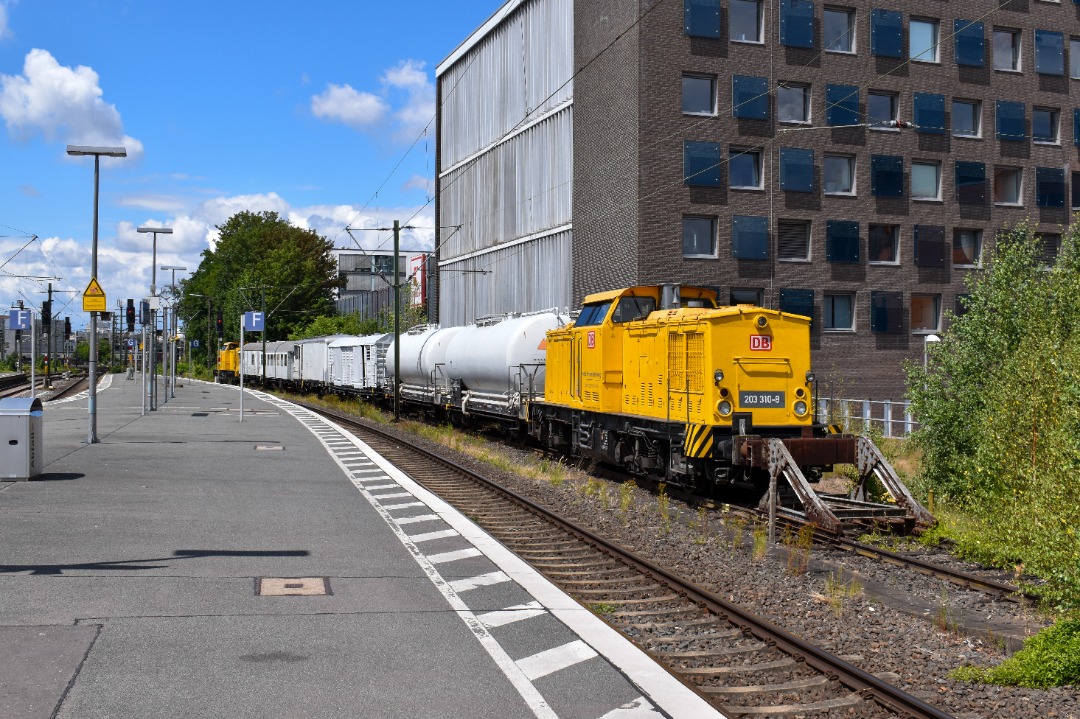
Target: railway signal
131,315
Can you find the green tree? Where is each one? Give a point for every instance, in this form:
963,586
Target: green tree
999,411
262,263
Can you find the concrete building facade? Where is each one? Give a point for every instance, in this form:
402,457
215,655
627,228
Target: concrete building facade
852,161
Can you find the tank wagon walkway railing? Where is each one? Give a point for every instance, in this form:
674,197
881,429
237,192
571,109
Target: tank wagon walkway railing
893,418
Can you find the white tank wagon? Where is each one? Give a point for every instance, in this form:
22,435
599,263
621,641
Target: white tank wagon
422,364
497,366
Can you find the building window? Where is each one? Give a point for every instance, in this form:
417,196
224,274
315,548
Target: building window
793,102
970,41
1051,244
1008,185
884,244
887,312
701,164
797,23
699,95
967,118
970,183
1049,187
1049,53
839,311
925,181
886,176
702,18
967,248
1011,121
744,168
1074,58
923,40
838,30
1044,125
1076,127
747,296
929,246
796,169
699,237
749,237
1007,50
881,109
839,175
925,313
797,302
842,241
749,97
929,113
841,105
886,33
793,240
744,20
1076,191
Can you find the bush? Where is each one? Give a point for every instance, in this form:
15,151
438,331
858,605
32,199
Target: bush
1051,658
999,412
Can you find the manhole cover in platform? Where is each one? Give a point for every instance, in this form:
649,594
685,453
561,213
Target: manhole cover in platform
292,587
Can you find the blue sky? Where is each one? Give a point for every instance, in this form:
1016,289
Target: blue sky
301,108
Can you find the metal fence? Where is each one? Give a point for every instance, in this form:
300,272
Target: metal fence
893,418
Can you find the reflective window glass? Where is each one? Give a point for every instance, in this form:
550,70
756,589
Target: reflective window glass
744,20
923,40
699,95
838,30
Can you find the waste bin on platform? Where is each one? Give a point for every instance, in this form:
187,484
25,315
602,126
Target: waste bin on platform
21,442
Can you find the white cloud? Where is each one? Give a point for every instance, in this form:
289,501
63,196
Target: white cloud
4,30
341,103
419,182
406,96
419,107
62,104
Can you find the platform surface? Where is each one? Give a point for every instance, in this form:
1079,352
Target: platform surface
193,565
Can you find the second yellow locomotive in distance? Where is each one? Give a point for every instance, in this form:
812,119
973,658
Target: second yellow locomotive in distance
662,381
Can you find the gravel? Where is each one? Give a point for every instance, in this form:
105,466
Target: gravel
910,629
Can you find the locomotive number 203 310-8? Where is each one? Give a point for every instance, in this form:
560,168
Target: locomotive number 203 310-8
761,399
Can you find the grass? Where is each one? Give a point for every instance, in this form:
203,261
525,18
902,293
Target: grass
603,609
839,591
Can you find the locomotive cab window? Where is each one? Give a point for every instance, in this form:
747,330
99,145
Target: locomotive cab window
633,308
592,315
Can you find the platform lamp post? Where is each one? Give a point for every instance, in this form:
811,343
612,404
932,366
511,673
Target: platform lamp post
97,152
172,331
153,311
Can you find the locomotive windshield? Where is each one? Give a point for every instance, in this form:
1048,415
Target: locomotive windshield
593,314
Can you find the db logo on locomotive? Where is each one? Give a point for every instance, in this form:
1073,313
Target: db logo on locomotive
592,340
760,343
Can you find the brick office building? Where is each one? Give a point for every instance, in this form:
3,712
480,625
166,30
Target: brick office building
750,145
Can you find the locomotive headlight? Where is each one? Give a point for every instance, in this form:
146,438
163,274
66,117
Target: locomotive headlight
809,377
718,376
762,321
724,408
800,408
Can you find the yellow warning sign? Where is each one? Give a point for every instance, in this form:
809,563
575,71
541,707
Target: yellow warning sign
93,299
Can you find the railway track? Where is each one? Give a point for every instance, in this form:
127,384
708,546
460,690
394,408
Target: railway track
743,664
18,387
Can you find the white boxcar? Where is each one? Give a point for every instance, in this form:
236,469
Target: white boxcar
311,365
279,361
354,361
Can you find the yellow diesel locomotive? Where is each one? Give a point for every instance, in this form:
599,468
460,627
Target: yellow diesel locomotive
664,382
228,363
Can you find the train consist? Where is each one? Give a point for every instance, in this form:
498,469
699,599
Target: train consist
660,381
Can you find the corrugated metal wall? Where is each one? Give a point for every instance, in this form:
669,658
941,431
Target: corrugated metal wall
506,156
524,278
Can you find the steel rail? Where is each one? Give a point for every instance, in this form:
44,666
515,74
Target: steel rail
855,679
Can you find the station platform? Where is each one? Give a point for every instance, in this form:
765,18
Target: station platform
193,565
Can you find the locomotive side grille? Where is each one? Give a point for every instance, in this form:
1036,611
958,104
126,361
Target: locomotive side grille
695,361
677,361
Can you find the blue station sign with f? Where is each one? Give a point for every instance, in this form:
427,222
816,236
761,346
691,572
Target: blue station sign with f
19,319
254,322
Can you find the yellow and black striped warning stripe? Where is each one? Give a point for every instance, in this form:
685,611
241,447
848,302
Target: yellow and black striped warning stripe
699,440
